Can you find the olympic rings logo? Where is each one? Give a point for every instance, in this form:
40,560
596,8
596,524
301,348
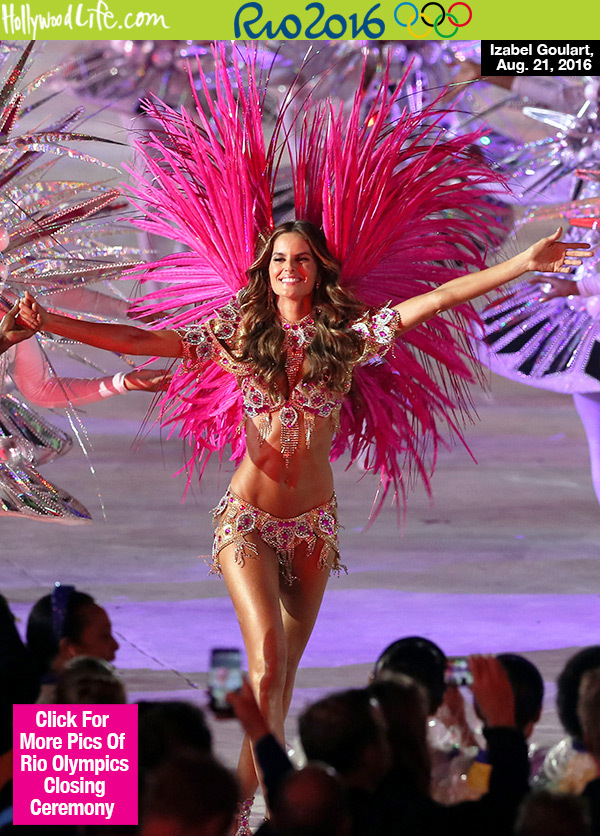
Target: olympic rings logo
437,21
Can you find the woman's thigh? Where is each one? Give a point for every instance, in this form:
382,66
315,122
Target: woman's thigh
301,600
254,590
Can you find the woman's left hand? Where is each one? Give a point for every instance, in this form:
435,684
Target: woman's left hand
549,255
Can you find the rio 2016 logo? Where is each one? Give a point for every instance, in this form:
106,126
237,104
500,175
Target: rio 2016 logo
320,24
406,15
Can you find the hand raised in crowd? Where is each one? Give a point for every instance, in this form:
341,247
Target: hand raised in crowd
492,691
248,713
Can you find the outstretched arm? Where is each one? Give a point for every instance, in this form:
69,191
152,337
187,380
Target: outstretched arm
548,255
125,339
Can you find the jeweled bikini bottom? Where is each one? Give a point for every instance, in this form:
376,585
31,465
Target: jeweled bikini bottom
234,519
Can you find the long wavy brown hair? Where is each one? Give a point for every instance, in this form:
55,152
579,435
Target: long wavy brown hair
335,346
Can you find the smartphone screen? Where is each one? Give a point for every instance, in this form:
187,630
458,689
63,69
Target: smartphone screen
458,671
224,675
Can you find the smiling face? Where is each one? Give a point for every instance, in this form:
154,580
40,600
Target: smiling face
293,268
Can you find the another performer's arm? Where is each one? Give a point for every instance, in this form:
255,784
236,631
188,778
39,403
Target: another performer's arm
548,255
31,375
588,285
125,339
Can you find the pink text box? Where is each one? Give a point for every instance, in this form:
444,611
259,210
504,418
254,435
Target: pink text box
75,764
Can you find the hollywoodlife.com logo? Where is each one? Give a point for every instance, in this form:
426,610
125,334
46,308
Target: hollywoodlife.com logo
407,19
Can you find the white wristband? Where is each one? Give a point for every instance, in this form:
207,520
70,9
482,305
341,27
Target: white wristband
114,385
118,382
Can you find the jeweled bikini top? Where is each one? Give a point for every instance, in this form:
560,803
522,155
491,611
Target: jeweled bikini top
212,341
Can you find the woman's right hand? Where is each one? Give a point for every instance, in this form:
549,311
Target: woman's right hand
12,330
31,313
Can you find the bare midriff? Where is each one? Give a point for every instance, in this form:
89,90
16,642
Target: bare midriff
285,490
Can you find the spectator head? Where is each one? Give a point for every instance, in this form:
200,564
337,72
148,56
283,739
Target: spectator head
190,794
404,706
165,728
311,802
588,710
528,688
568,688
19,678
346,731
66,624
86,679
544,813
420,659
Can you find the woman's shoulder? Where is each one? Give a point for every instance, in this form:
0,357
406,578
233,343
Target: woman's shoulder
215,337
222,324
225,323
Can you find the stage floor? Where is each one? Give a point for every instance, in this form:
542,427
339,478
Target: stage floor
506,559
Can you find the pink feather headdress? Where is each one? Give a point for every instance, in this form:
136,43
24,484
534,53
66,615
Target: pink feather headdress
404,207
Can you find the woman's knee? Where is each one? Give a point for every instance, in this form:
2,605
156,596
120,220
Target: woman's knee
269,676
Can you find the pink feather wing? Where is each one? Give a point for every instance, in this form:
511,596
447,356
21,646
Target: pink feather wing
404,208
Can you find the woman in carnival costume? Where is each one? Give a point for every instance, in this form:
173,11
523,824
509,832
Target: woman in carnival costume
290,334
